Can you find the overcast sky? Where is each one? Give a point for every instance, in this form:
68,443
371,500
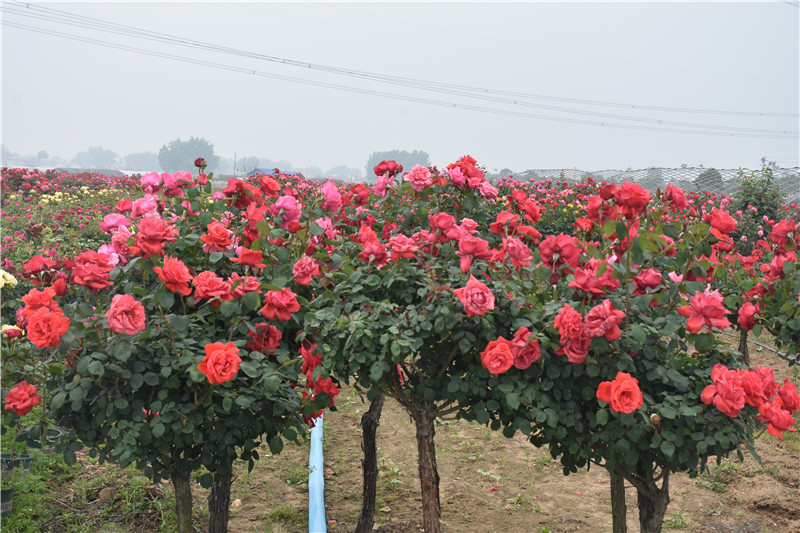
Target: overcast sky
63,96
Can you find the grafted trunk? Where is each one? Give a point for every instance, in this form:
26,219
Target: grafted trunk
183,502
424,416
219,502
618,507
653,505
743,347
369,464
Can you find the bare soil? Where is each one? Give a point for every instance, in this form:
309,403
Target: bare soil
490,483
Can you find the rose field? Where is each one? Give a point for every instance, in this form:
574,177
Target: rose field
475,355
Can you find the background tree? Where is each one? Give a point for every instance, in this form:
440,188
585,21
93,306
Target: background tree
403,157
180,155
709,180
95,157
654,180
144,161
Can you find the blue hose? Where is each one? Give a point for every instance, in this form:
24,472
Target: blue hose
316,482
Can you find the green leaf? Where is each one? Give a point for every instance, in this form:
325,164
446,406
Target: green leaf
703,342
639,333
229,308
668,412
158,430
137,380
602,417
121,403
243,401
252,301
667,448
512,400
165,298
275,445
215,257
227,404
97,368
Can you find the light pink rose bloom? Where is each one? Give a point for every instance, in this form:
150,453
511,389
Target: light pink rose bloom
456,176
291,209
333,198
145,207
151,182
420,178
112,221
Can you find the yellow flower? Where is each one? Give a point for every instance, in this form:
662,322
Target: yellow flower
7,280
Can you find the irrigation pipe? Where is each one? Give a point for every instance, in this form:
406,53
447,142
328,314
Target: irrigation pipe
316,482
782,354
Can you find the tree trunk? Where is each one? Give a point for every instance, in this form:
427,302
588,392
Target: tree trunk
219,502
183,502
653,505
618,506
369,464
424,416
743,347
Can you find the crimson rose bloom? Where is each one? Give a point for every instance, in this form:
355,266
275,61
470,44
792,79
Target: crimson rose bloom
603,321
208,285
126,315
325,386
476,297
471,248
622,394
280,304
22,398
676,196
92,270
720,220
525,349
706,309
175,274
305,269
45,327
221,362
747,315
575,338
497,357
151,236
568,254
727,392
310,361
265,338
633,197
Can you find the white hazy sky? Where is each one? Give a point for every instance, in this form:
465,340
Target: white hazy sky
63,96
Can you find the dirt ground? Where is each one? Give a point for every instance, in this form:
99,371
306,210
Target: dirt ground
491,484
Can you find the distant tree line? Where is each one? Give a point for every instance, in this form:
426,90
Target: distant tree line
403,157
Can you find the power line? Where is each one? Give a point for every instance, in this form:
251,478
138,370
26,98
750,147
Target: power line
514,98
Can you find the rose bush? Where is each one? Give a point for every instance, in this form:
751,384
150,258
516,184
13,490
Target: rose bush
160,335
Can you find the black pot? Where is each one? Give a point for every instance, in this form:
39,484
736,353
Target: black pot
53,438
20,461
6,501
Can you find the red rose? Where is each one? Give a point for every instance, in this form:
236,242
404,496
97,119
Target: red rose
575,338
471,248
126,315
125,206
22,398
36,299
676,196
780,234
265,338
519,253
92,271
706,309
60,287
208,285
622,394
280,304
218,237
649,278
568,254
152,234
45,327
200,163
720,220
248,257
779,419
221,362
633,197
325,386
175,274
244,284
603,321
476,297
789,397
525,349
304,269
310,361
747,315
727,391
497,357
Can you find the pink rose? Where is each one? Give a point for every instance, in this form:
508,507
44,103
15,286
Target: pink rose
476,297
126,315
420,178
497,357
